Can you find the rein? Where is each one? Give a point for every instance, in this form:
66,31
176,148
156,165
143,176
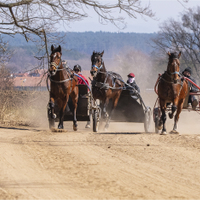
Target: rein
160,77
104,85
59,81
62,81
57,69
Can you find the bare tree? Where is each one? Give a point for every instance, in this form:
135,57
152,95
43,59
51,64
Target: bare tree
183,35
6,81
34,16
5,53
43,17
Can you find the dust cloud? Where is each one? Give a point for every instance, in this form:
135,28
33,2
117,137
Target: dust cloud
130,60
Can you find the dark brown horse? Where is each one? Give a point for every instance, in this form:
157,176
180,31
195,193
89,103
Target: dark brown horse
171,89
105,85
63,85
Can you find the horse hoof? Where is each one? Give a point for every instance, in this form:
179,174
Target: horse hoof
163,133
105,115
174,132
87,125
106,127
75,128
60,127
54,116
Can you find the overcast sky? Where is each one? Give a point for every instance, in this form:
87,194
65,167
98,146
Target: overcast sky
164,9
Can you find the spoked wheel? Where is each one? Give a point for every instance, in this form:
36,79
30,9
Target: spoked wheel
147,119
96,119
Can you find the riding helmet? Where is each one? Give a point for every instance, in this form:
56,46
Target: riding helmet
131,75
77,68
188,69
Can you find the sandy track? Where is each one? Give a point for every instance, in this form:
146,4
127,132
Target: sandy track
39,164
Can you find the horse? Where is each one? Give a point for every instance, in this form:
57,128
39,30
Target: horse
106,85
63,84
171,89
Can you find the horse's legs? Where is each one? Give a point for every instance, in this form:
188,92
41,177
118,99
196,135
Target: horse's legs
176,118
114,104
74,96
104,108
52,105
174,108
163,116
62,108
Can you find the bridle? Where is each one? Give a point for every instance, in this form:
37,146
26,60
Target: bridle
98,68
100,65
173,73
57,66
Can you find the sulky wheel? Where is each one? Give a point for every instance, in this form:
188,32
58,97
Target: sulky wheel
147,119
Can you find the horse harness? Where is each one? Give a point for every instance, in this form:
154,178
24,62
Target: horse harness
179,82
70,75
105,85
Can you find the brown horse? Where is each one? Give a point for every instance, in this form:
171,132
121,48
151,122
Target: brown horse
105,85
63,85
171,89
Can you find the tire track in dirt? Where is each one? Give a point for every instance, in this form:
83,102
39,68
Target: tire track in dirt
41,164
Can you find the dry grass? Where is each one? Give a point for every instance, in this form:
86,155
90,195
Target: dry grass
27,108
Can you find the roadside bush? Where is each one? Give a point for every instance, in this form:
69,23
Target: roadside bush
27,108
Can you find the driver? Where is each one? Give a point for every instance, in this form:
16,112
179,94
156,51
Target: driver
192,99
77,70
132,83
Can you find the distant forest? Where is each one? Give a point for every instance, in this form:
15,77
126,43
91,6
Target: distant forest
80,45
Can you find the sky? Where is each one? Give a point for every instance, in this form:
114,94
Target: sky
164,9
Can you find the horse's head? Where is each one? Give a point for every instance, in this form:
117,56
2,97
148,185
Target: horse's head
174,65
55,59
97,62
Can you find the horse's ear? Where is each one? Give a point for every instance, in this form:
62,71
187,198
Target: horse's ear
52,47
102,53
93,52
169,54
179,55
59,49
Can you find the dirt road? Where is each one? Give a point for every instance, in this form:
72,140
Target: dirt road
125,163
